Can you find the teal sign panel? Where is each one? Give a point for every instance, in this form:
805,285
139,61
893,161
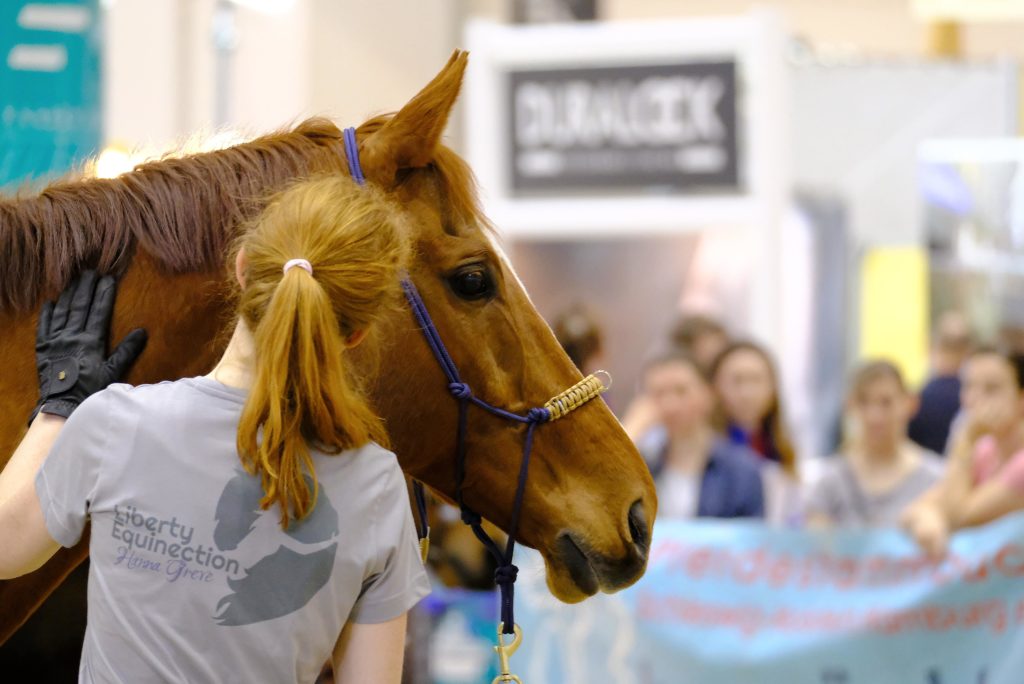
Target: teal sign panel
49,87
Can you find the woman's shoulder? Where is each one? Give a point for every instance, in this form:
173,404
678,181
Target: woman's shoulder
159,391
191,391
371,464
375,457
150,404
374,454
114,397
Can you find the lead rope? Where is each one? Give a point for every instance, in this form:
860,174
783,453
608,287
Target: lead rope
556,407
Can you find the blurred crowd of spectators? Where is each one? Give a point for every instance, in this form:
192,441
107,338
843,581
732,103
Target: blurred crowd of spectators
709,420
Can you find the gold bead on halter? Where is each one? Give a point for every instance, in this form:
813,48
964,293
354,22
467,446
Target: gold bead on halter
579,394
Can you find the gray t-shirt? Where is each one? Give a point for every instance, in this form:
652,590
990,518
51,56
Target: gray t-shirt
839,496
190,581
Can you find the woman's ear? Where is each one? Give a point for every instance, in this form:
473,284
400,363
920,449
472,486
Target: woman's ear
356,338
241,264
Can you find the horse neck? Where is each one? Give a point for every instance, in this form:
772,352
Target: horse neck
183,211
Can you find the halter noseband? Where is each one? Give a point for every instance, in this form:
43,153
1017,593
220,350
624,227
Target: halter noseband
555,408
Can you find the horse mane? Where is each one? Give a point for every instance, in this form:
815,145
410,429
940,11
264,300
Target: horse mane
184,211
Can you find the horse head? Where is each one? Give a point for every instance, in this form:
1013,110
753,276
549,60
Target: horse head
589,500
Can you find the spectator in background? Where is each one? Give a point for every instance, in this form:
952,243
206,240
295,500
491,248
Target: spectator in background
700,336
698,473
750,414
580,336
940,397
878,472
984,476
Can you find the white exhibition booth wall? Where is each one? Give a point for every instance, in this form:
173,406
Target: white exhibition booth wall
575,132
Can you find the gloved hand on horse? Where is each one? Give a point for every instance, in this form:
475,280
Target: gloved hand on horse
71,345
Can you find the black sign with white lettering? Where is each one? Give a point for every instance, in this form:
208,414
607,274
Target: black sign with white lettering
668,127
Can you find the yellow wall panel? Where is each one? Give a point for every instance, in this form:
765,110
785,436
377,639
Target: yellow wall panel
894,309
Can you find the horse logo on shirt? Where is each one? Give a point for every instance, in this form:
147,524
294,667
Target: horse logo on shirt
283,581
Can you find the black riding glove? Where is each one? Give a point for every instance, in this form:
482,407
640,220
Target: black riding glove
71,345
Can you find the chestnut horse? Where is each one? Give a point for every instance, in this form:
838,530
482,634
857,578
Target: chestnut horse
166,227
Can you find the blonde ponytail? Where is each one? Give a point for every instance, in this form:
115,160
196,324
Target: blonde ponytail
303,394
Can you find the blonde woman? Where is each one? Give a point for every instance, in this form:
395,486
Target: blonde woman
879,471
246,525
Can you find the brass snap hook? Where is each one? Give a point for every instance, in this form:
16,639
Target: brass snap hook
505,652
425,547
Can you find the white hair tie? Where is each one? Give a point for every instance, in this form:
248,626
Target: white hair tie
301,263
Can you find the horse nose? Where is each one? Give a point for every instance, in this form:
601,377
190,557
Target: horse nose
639,530
617,564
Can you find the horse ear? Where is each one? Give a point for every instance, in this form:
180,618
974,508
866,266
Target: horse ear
410,138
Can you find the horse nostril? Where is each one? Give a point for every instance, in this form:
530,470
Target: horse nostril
638,530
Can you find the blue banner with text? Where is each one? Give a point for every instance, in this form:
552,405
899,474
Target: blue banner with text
740,603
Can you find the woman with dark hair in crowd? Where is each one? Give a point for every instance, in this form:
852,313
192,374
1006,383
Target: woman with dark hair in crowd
750,409
750,414
878,471
984,476
698,473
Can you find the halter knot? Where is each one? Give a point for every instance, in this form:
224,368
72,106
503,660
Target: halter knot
470,517
505,574
460,390
538,415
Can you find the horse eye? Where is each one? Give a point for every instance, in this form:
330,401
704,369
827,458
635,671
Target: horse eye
472,283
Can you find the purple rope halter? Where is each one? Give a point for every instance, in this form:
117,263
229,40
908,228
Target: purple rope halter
506,571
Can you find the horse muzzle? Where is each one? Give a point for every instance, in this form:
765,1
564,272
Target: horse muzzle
592,571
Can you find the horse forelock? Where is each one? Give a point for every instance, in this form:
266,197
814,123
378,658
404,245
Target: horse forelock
184,211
